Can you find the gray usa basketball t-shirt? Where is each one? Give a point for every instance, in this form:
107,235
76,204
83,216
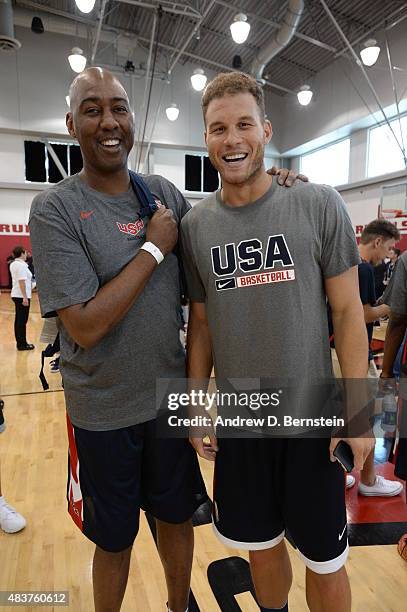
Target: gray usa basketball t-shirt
260,270
81,240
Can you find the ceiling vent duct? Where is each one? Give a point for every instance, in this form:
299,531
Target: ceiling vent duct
280,39
7,40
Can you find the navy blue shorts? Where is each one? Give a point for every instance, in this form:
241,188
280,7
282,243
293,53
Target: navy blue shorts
112,474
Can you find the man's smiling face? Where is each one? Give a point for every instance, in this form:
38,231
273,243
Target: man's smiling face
101,120
236,136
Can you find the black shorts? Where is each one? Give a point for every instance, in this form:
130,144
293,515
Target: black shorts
263,487
112,474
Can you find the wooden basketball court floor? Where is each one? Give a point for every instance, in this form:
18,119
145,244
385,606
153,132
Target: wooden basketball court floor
51,554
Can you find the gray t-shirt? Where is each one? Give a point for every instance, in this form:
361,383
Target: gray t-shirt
395,295
260,270
81,240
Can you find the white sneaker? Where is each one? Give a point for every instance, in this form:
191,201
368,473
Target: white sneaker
381,488
350,481
10,520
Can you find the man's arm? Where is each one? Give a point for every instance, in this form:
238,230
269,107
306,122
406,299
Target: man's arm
396,329
373,313
88,323
351,344
349,323
199,368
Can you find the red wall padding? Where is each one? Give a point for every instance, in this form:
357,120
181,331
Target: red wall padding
7,244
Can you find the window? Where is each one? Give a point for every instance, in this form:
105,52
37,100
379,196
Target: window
40,166
329,165
384,154
200,175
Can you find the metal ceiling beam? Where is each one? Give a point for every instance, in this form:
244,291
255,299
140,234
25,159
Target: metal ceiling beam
383,22
199,58
275,24
98,30
144,109
362,68
394,86
125,34
186,11
191,35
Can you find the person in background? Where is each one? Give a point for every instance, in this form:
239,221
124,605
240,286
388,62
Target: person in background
9,261
10,520
21,290
50,337
376,244
390,266
30,263
396,298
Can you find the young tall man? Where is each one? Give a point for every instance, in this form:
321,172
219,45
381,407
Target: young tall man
251,323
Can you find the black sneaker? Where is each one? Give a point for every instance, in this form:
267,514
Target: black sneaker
2,423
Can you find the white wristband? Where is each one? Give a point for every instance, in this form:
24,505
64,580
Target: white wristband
153,250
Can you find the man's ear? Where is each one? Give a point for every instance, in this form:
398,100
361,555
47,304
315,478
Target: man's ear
69,124
268,131
205,136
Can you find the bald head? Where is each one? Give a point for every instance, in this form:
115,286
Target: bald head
92,78
101,120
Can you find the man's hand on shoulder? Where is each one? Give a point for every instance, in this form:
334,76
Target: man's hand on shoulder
162,230
287,177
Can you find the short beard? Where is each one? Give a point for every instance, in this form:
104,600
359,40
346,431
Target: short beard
255,171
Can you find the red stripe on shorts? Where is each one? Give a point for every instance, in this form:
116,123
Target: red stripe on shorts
75,501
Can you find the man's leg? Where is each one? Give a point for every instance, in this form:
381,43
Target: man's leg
319,529
10,520
272,575
110,573
328,592
368,474
176,547
104,500
173,489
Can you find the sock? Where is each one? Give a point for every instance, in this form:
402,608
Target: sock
283,609
2,501
169,609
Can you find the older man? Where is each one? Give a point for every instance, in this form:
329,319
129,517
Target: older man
112,276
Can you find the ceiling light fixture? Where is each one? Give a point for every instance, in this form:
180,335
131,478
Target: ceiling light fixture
240,28
172,112
77,60
305,95
85,6
370,53
198,79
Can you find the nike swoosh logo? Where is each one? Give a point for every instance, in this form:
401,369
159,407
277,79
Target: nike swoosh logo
85,215
341,536
223,284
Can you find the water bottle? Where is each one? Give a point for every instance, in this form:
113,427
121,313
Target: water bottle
389,416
